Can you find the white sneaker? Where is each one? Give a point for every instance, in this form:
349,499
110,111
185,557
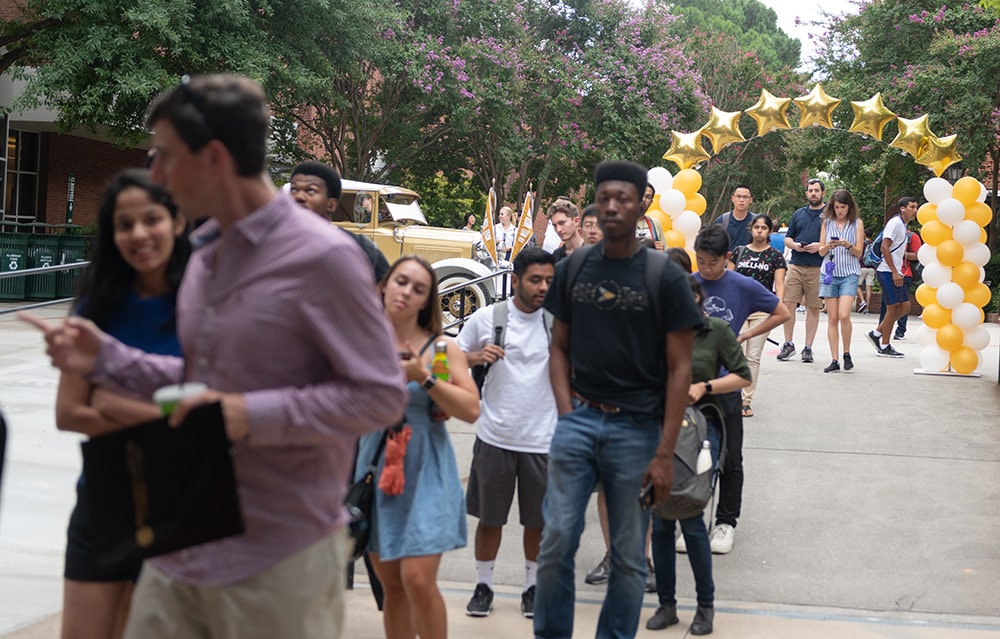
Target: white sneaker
721,539
680,545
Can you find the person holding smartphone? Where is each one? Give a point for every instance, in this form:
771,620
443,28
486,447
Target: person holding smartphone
841,242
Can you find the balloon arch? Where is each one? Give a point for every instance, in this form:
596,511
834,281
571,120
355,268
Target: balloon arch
952,221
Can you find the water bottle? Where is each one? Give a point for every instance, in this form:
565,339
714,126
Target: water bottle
440,370
704,463
828,272
439,365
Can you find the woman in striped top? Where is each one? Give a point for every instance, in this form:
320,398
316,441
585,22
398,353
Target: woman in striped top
841,242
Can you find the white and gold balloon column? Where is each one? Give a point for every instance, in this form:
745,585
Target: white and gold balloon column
953,293
677,206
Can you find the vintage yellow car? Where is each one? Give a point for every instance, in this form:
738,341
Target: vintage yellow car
391,217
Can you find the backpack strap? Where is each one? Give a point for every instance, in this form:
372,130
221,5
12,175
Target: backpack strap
656,262
573,265
499,322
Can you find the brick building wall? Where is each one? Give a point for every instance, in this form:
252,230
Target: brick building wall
92,162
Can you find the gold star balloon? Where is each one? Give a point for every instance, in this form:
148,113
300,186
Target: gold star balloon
770,113
871,116
912,136
940,153
722,129
816,107
685,149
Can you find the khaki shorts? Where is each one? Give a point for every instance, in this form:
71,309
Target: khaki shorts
495,474
802,281
866,277
301,596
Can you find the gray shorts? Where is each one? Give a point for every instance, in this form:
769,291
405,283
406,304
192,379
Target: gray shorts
494,474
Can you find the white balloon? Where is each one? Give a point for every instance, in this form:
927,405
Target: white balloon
966,316
935,274
978,254
936,190
950,211
967,233
933,359
926,336
982,195
982,274
689,243
673,202
977,339
688,223
950,295
979,356
660,178
927,254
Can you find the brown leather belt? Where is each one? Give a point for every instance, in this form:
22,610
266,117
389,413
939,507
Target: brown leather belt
604,408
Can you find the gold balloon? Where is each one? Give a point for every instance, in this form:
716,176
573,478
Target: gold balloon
770,113
674,238
926,295
685,149
950,337
666,222
817,108
871,116
950,253
980,295
935,232
935,315
964,360
912,136
966,190
926,213
980,213
687,182
939,154
697,203
722,129
966,275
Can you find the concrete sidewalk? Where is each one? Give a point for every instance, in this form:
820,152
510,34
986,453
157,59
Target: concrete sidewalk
870,507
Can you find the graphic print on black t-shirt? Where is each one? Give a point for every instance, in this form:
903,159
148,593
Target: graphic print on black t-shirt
610,295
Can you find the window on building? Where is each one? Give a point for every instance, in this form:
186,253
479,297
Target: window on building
20,183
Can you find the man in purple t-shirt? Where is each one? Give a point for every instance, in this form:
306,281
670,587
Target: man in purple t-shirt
732,297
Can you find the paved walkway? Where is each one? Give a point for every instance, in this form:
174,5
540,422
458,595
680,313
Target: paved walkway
869,511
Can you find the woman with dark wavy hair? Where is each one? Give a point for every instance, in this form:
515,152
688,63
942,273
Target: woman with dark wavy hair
129,290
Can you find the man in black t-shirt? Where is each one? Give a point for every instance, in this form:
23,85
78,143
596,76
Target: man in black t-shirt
631,372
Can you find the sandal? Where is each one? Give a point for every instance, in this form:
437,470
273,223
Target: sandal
747,411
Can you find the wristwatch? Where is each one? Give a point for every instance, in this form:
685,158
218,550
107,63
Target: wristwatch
429,382
708,388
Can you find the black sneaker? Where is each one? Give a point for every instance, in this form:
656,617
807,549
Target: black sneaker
899,336
875,340
528,603
833,367
482,602
787,350
807,355
848,362
663,617
599,575
889,351
650,576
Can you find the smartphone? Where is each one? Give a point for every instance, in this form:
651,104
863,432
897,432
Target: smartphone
834,238
646,496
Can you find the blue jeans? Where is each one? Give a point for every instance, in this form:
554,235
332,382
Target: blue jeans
901,322
699,551
616,448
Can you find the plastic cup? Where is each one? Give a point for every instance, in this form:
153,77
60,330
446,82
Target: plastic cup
168,397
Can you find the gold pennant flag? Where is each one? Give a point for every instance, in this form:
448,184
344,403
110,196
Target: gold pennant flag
524,229
489,234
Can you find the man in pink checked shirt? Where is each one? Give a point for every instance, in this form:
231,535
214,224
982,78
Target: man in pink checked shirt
278,316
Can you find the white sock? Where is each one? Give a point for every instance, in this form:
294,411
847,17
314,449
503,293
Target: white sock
530,570
484,572
877,333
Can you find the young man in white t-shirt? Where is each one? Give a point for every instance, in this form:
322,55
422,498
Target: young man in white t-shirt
890,276
515,424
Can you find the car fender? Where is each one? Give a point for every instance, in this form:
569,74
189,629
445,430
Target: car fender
464,266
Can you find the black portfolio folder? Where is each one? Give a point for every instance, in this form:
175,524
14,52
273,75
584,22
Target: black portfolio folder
154,489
